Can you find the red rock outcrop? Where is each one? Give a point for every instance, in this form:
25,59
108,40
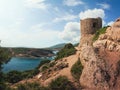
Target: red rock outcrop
101,60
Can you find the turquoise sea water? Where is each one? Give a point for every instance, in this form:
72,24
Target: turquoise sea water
21,64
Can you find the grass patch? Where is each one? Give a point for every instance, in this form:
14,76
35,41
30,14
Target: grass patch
66,51
16,76
31,86
42,63
76,70
99,32
61,83
44,68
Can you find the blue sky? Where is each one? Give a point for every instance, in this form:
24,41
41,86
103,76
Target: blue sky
43,23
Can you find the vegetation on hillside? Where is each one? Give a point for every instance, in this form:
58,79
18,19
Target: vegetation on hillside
31,86
28,52
20,50
4,57
46,65
16,76
60,83
66,51
42,63
76,69
99,32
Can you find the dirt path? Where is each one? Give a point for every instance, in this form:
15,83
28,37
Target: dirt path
66,71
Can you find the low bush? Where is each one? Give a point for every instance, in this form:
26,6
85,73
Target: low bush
45,67
76,70
99,32
31,86
61,83
30,73
43,62
14,76
52,64
66,51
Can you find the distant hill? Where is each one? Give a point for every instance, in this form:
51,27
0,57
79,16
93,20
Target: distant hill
29,52
60,46
57,46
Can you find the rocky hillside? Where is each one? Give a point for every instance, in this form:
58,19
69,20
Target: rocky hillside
95,65
101,59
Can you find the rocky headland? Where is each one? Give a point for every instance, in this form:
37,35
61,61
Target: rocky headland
99,54
30,52
101,59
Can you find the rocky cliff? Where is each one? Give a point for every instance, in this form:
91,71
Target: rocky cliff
101,59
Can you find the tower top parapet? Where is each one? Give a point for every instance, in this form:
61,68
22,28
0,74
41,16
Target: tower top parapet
90,25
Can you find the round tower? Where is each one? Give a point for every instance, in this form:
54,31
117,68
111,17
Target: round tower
90,25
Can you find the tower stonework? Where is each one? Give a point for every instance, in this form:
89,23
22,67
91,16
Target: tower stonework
90,25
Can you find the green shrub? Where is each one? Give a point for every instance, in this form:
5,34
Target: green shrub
4,57
31,86
43,62
44,68
99,32
14,76
76,70
52,64
4,86
29,73
66,51
61,83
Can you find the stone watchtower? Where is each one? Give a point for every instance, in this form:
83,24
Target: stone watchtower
90,25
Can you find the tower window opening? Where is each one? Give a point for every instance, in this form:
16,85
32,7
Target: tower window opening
94,25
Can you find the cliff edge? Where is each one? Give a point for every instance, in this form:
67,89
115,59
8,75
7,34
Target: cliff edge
100,58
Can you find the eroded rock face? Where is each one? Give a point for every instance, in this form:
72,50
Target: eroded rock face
111,39
101,60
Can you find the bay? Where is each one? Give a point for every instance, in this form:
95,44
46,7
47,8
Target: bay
22,64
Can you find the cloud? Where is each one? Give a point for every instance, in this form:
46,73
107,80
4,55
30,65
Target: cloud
110,23
35,36
103,22
67,17
73,2
92,13
71,32
38,26
40,4
104,5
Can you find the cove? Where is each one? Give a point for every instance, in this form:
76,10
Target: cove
22,64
